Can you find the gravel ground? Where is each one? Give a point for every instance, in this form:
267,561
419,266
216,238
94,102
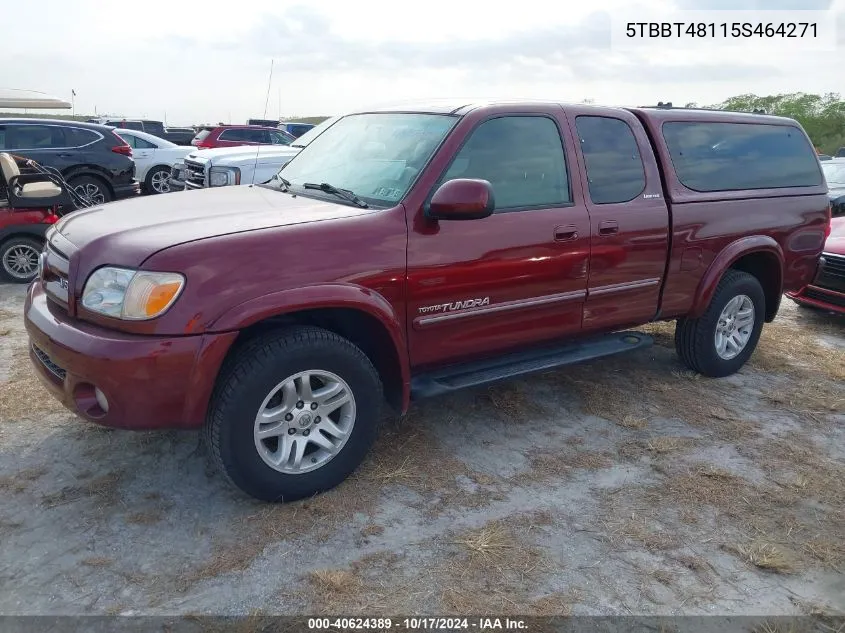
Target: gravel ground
622,486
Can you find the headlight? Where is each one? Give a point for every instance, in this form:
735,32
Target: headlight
223,176
131,294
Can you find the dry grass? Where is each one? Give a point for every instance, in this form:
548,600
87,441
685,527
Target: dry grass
22,397
96,561
633,422
145,517
334,581
511,402
102,489
20,481
663,333
371,529
5,332
667,444
766,556
642,529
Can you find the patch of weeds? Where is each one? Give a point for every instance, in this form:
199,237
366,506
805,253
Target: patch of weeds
633,422
102,489
766,556
372,529
511,402
145,517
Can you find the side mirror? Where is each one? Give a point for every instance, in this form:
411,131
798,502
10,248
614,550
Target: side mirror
462,199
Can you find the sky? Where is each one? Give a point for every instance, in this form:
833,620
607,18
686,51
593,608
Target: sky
207,61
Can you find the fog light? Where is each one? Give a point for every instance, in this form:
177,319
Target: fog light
101,399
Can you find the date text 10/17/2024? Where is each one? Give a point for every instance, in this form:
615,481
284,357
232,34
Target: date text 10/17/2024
418,624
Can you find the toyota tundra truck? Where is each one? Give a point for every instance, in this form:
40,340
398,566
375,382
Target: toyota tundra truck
409,252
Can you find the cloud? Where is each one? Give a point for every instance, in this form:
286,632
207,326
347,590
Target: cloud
302,40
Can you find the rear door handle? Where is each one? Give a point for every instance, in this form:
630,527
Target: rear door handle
608,227
566,233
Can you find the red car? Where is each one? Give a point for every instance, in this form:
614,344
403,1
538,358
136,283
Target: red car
236,135
408,253
828,288
827,291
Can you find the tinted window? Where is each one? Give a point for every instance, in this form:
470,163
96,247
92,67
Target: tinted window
279,138
734,156
201,135
3,137
521,156
245,135
77,137
34,137
614,165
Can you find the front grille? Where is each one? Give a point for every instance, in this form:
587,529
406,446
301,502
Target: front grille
833,275
194,174
54,369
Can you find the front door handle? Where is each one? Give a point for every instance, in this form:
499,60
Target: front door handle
566,233
608,227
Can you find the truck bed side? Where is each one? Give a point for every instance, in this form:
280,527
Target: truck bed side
776,234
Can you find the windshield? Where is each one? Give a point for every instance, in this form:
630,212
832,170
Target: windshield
376,156
834,173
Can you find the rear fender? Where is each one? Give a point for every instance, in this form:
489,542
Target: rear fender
724,260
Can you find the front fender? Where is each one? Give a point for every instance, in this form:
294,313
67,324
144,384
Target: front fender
335,295
724,260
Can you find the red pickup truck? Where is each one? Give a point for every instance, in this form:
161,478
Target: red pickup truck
413,251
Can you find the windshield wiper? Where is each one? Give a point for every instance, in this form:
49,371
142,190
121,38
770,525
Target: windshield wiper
340,193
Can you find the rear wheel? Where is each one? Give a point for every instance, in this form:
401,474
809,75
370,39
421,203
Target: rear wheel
158,180
19,259
293,414
91,188
721,341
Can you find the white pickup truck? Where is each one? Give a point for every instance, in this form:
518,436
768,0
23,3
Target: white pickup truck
242,165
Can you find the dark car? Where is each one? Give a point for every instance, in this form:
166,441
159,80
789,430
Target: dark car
94,160
236,135
295,129
179,135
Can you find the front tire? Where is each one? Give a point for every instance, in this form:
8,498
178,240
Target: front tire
19,259
293,414
722,340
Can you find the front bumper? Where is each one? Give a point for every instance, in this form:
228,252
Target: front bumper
149,382
816,294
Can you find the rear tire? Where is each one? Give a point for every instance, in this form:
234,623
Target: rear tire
697,341
19,259
264,459
158,180
91,188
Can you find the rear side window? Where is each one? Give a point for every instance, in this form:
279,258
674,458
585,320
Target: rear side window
736,156
77,137
202,135
245,135
615,170
522,158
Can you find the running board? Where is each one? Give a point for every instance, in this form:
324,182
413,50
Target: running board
518,364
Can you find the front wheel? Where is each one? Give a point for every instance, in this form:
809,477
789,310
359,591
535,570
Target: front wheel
293,414
721,341
19,259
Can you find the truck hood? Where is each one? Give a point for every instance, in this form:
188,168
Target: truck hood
128,232
234,156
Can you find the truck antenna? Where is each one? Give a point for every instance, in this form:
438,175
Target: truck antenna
266,103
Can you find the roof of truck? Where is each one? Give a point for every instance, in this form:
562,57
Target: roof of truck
461,107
